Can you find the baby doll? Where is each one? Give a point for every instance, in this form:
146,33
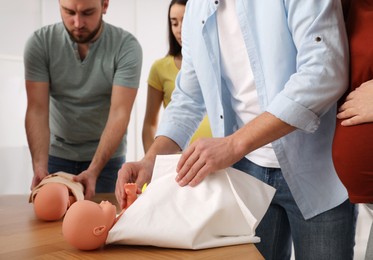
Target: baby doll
86,224
54,195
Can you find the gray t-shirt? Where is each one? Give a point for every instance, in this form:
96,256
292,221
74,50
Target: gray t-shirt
80,91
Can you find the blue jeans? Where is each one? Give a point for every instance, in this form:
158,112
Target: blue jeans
369,252
106,180
329,235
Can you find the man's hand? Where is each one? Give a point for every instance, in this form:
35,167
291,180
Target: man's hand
39,174
211,154
88,180
132,172
358,107
203,157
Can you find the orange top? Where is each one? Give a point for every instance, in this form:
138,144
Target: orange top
353,145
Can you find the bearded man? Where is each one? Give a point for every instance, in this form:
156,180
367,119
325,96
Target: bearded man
82,76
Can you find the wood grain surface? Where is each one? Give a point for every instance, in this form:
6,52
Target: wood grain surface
23,236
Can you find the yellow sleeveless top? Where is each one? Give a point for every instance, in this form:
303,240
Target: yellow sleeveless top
162,77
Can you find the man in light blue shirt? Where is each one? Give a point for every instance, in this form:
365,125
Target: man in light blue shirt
268,74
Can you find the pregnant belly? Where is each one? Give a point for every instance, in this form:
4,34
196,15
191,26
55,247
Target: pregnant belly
353,159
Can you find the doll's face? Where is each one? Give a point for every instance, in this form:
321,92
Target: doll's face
108,211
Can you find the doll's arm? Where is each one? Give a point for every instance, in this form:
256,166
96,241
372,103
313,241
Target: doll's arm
131,191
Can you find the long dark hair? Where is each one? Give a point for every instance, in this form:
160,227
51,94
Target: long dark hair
174,47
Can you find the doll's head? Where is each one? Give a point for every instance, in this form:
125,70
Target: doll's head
87,224
54,195
52,201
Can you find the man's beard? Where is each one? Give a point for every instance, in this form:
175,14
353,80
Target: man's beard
85,39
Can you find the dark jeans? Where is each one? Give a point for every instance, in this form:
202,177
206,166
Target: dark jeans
369,252
329,235
105,182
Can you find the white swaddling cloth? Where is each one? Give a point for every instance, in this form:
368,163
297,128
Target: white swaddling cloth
224,209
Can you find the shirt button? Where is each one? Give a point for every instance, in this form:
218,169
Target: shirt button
203,22
216,2
221,116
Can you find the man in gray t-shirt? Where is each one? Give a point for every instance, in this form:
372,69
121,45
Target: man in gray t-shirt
82,77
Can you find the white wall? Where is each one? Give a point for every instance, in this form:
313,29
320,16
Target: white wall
146,19
17,19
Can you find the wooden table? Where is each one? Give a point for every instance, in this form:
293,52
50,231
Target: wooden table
23,236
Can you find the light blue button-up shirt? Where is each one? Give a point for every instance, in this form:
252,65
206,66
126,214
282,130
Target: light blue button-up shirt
298,54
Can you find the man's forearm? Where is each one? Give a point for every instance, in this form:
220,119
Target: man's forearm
38,134
260,131
109,142
161,145
119,115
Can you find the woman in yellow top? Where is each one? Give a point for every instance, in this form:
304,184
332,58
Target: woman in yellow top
161,80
